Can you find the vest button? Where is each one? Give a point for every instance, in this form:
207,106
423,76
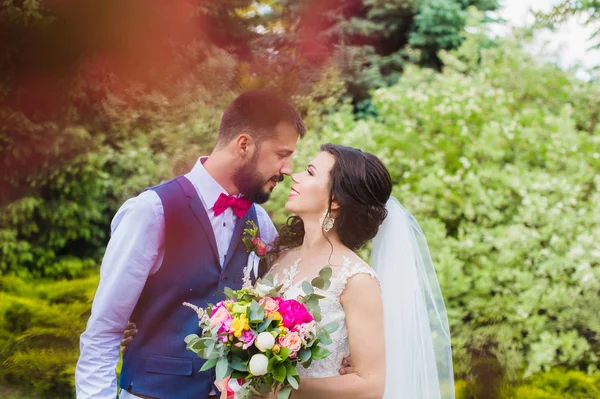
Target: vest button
223,278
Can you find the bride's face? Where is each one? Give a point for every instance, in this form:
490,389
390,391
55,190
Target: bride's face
309,195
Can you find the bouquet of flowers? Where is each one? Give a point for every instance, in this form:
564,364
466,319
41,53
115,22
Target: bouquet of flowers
256,339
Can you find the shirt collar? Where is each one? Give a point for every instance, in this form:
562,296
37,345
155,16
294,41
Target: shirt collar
205,184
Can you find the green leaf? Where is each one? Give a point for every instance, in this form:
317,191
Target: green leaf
293,381
222,366
307,288
239,374
284,393
326,273
199,344
264,325
228,292
279,372
291,369
331,327
256,314
238,364
324,337
304,354
284,353
318,282
191,337
319,352
209,364
271,364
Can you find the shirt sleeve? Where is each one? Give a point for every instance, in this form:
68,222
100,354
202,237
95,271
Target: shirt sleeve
134,252
268,232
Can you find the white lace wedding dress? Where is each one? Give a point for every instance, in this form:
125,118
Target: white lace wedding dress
331,311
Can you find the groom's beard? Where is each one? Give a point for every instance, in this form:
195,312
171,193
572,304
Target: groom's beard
251,184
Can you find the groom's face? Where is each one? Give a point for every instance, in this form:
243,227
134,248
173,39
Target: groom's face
267,165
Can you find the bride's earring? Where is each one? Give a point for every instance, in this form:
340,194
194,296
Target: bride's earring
327,222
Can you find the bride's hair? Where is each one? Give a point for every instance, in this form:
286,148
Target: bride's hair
361,185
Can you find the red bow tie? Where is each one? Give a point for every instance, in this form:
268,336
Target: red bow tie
240,205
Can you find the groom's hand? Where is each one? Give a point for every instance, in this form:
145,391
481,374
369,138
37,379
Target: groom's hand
130,332
346,366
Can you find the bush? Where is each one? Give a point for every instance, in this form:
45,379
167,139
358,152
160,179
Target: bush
497,157
39,333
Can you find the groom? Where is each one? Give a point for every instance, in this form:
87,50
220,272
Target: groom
180,242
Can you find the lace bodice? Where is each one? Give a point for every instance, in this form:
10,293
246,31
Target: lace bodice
331,311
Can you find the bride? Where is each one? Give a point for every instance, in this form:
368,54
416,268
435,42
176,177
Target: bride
391,316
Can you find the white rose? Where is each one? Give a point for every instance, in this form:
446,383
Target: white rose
264,341
258,364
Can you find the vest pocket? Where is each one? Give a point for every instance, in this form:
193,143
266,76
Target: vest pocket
169,365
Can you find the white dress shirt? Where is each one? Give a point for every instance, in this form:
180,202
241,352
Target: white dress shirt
134,252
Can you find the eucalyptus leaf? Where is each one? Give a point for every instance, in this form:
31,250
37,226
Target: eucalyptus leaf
238,364
318,282
319,353
209,364
325,339
222,366
304,355
293,381
307,288
191,337
331,327
284,393
326,273
264,325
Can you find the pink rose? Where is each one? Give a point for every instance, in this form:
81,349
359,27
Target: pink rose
219,316
293,342
293,313
224,388
271,305
261,247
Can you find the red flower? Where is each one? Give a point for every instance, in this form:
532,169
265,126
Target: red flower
261,247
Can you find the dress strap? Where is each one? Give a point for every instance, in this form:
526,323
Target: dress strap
348,270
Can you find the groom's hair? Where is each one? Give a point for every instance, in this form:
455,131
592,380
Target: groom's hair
257,112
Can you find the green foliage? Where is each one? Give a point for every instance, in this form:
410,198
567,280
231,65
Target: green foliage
554,384
58,231
559,384
39,333
498,159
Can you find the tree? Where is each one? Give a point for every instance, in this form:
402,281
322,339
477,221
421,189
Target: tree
589,9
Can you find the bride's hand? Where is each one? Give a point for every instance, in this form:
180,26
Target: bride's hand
346,366
128,335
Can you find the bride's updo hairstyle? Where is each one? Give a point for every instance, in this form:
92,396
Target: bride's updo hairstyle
361,185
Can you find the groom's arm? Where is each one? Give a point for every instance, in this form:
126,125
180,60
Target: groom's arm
135,251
